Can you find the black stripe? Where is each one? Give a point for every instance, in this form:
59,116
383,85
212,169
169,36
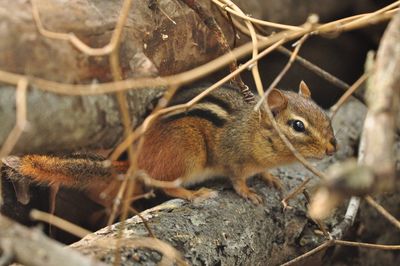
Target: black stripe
207,99
200,113
185,94
231,87
217,101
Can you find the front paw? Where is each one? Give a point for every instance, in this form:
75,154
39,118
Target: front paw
245,192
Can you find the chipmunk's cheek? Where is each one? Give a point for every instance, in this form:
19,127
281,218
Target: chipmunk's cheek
320,155
319,152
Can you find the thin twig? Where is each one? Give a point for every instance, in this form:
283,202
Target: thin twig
309,253
166,15
146,224
21,122
294,193
332,242
126,121
356,20
321,225
283,72
117,202
125,210
234,32
59,222
75,41
366,245
316,69
146,195
254,68
212,24
348,93
373,14
227,7
354,203
383,211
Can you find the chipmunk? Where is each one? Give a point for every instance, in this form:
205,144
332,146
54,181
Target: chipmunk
222,135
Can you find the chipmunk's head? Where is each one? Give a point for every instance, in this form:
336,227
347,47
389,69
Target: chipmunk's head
303,122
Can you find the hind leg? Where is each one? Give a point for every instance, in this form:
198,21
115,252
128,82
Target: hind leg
271,180
191,195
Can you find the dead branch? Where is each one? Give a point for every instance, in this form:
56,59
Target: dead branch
383,106
32,247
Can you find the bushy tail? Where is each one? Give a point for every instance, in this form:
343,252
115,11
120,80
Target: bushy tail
77,170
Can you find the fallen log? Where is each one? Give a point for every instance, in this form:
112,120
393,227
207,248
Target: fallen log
32,247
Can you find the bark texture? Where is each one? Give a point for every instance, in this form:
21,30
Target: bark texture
62,123
32,247
149,36
383,106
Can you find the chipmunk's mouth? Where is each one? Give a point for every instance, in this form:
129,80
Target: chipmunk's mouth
315,156
318,157
331,148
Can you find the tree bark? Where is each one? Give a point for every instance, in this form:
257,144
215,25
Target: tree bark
32,247
383,97
149,36
62,123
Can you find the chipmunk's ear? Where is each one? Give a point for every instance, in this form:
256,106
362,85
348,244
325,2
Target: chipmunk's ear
277,101
304,90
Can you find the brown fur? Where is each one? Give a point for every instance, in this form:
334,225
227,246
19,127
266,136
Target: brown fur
72,172
167,156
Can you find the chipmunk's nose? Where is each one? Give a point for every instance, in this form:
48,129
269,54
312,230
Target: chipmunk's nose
331,148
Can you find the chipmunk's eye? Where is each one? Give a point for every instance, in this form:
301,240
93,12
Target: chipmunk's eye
297,125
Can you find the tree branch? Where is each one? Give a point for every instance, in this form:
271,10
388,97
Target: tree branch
32,247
